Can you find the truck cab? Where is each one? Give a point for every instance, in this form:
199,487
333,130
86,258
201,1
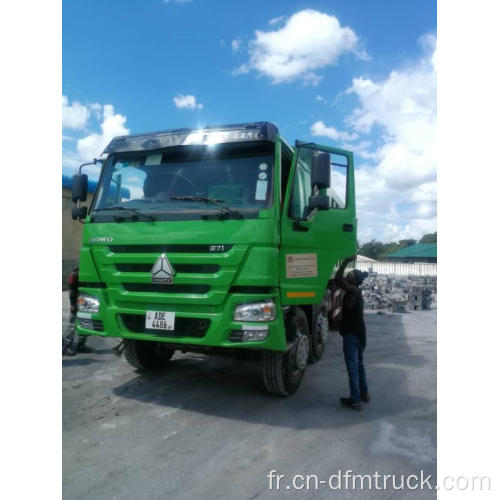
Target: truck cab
221,240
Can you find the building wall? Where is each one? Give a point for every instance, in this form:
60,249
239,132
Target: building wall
410,259
71,236
399,268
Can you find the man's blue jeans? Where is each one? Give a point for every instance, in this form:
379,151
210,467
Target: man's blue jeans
353,355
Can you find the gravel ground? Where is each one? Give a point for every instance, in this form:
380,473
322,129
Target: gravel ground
205,428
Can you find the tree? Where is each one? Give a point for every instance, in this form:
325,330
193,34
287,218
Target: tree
406,243
372,249
376,249
429,238
389,248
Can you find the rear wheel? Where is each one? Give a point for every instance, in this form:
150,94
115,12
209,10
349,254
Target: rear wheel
320,329
283,371
145,355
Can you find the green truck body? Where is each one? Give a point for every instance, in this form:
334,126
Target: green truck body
253,239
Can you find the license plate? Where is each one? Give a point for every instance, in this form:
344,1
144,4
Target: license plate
160,320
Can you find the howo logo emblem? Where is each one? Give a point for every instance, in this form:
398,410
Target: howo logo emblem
162,271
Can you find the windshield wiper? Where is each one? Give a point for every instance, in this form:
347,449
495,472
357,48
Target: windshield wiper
134,211
214,201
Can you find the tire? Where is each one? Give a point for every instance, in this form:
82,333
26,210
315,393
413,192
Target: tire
320,330
282,372
145,355
319,335
334,324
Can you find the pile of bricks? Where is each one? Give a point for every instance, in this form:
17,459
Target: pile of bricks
399,293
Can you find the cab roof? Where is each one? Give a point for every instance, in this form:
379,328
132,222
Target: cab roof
211,134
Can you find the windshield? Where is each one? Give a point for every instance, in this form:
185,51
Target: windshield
174,184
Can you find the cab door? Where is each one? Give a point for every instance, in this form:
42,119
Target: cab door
314,241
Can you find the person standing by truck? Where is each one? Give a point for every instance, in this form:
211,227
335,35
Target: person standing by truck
69,347
353,331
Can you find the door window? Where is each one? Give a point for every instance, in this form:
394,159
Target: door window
338,181
301,184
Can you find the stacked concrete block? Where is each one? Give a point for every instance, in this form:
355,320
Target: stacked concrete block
427,298
415,298
399,293
398,305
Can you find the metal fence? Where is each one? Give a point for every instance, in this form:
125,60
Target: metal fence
399,268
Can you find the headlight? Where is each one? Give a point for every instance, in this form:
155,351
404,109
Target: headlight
87,303
258,311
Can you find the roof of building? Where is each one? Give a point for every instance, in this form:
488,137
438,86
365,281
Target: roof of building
363,258
422,250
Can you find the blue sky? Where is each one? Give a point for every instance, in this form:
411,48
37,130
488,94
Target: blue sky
355,74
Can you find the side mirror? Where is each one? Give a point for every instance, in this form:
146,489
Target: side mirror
78,213
319,201
320,171
79,187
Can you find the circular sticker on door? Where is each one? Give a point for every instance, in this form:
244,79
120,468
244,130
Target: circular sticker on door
262,176
263,166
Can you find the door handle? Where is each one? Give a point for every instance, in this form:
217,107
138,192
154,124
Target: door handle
348,228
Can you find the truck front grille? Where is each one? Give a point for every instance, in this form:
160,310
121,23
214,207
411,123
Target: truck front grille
184,327
203,273
157,249
147,287
179,268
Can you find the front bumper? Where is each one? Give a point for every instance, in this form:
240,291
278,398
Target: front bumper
115,321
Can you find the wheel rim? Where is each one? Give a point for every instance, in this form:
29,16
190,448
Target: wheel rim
301,351
322,327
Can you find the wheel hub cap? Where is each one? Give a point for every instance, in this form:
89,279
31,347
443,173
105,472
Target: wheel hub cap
302,351
322,325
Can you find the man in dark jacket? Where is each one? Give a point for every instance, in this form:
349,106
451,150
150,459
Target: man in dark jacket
69,347
353,331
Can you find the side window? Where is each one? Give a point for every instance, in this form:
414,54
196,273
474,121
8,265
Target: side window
126,177
338,187
121,183
301,184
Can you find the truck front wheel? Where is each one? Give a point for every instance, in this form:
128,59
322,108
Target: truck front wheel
145,355
320,330
283,371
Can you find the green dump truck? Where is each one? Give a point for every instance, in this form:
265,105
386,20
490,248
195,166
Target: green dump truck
221,240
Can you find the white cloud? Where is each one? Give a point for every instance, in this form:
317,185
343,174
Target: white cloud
187,101
363,149
74,116
320,98
404,105
90,146
320,129
311,79
241,70
236,44
388,214
112,125
309,40
277,20
96,109
397,195
177,1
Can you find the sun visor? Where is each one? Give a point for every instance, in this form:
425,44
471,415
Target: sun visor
259,131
